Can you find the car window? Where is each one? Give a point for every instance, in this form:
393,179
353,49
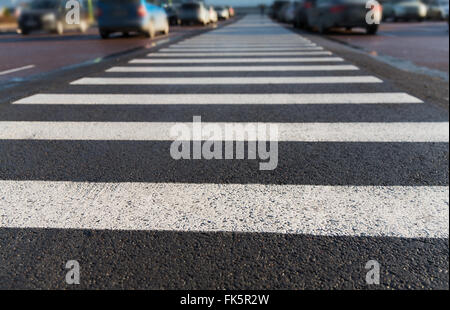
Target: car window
44,4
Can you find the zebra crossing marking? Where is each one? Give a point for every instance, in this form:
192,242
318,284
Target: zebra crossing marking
232,68
237,60
292,132
393,211
229,81
217,99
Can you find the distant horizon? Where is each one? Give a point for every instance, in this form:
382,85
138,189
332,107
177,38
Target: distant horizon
235,3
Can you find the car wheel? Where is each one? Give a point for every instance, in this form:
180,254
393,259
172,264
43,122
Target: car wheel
322,29
24,32
372,29
104,34
150,33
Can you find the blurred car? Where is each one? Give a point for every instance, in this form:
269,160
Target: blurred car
326,14
281,12
301,13
437,9
410,10
172,15
388,8
194,12
289,12
276,6
50,15
213,17
131,16
222,12
230,10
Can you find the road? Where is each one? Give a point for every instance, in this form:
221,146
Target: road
412,45
87,174
42,53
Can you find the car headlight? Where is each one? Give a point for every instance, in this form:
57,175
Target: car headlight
422,10
48,17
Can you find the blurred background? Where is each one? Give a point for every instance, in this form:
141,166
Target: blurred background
411,34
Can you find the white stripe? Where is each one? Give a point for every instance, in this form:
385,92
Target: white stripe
220,46
238,60
394,211
16,69
241,49
152,99
312,53
229,80
295,132
233,68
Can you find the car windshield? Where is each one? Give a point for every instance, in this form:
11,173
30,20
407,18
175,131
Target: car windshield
44,4
190,6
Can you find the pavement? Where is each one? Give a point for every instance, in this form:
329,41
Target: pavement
87,174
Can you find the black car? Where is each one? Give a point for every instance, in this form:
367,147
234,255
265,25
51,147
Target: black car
172,15
50,15
276,6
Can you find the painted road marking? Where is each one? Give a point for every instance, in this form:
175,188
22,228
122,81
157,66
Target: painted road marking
16,69
232,68
237,60
230,80
292,132
207,99
394,211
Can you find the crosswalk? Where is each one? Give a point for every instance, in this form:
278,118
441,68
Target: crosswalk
98,156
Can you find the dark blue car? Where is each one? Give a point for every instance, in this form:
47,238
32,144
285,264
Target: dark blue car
131,16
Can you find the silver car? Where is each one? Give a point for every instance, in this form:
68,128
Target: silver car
222,12
194,12
437,9
410,10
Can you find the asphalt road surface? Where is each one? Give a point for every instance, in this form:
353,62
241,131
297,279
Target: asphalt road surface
86,171
410,45
23,57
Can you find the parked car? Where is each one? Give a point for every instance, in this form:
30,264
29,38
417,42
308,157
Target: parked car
50,15
131,16
276,6
289,12
326,14
172,15
281,12
194,12
410,10
213,17
301,13
437,9
388,9
222,12
231,10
